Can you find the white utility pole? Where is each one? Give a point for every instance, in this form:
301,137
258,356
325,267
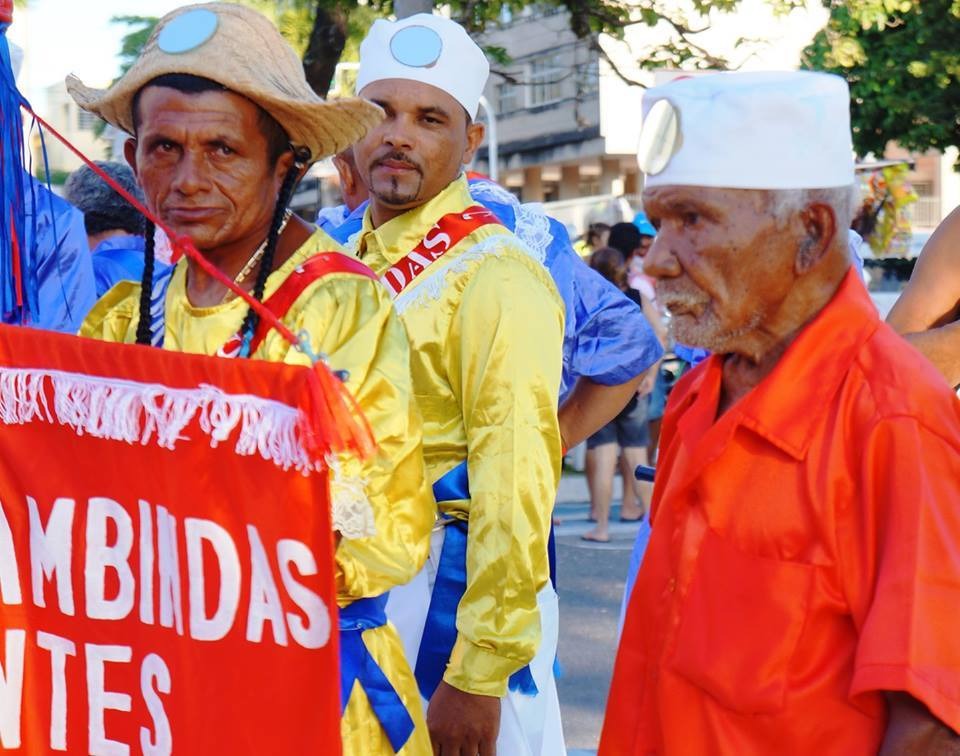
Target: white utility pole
493,145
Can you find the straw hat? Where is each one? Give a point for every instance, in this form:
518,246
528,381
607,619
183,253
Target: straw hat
240,49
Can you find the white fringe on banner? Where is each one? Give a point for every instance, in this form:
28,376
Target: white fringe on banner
146,413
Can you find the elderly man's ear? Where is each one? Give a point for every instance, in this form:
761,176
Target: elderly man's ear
819,233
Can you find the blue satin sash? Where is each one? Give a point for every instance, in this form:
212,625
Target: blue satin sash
440,630
356,663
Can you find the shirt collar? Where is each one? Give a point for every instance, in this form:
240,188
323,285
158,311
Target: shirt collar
398,236
787,405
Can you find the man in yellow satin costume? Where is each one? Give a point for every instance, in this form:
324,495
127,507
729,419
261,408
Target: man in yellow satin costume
223,125
486,326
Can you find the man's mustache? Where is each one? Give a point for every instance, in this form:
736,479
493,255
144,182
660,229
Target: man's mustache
674,297
397,157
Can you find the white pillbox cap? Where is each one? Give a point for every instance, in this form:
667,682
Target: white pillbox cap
429,49
776,130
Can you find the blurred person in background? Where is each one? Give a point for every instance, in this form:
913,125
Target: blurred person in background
927,314
625,437
594,238
353,192
114,228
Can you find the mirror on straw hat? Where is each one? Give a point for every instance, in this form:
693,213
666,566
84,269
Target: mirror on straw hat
187,32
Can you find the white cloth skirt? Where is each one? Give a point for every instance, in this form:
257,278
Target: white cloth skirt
529,725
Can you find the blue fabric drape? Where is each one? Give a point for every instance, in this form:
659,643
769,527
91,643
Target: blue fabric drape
357,664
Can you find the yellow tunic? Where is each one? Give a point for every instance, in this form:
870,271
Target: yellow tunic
486,328
350,319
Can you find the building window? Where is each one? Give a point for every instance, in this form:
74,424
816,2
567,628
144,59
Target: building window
508,97
547,76
86,121
588,77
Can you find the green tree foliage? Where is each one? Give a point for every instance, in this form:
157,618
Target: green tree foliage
325,32
902,61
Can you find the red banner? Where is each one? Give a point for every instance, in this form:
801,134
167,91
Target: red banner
166,571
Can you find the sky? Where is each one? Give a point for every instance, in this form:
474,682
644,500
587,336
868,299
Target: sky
74,36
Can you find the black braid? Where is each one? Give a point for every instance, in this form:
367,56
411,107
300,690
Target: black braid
252,319
146,283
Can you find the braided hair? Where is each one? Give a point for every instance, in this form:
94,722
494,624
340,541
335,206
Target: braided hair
252,319
146,283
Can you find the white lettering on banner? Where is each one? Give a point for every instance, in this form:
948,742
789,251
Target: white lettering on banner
394,280
154,670
171,612
103,533
210,555
218,625
316,631
146,563
50,551
100,699
60,649
11,687
100,557
9,574
264,596
440,239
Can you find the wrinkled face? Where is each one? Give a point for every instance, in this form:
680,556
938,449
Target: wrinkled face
419,148
722,264
202,160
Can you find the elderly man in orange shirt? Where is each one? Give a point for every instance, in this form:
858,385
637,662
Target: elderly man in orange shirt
801,587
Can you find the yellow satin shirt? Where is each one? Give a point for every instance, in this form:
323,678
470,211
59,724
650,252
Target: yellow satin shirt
486,329
351,320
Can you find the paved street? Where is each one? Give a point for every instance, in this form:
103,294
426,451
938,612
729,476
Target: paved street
590,578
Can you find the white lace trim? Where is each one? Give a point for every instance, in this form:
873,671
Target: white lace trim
352,512
533,229
144,413
434,281
488,190
532,223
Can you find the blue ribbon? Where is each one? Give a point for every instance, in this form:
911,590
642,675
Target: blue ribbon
440,629
453,485
356,663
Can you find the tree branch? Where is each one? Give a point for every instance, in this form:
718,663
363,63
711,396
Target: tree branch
628,80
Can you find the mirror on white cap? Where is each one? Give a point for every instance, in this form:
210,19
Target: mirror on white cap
187,31
660,137
416,46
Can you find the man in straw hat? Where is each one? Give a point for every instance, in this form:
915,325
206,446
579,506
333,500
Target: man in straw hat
223,124
486,325
798,594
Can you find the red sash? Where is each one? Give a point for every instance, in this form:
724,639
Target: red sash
446,233
295,284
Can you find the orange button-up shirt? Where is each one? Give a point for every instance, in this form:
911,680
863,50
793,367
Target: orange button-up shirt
805,554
